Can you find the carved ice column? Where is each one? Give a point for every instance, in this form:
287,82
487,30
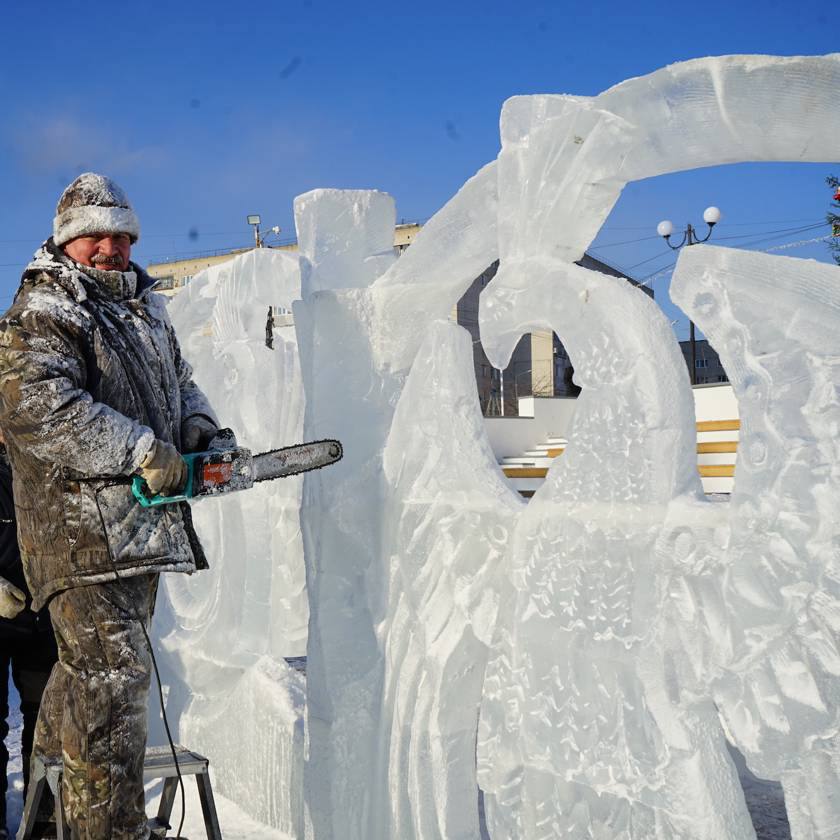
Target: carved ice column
343,237
775,322
376,552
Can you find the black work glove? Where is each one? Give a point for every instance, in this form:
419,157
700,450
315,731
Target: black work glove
196,433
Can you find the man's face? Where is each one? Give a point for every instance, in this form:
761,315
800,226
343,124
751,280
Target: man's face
108,251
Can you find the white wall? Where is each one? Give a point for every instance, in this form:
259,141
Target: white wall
540,418
544,417
715,402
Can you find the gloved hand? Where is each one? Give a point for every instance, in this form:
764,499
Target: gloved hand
164,469
196,433
12,599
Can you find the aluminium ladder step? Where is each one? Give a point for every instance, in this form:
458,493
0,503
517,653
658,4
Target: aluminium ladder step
158,764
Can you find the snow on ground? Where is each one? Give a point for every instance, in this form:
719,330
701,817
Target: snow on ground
235,824
14,795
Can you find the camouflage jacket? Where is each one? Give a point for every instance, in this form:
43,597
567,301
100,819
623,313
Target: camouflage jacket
90,374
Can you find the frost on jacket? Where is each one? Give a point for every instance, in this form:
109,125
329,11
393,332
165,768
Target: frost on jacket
90,374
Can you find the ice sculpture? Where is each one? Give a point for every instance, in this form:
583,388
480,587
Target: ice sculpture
580,736
777,675
561,752
594,630
443,545
225,632
592,724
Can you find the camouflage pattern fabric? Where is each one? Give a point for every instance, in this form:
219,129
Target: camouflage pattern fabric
93,711
90,374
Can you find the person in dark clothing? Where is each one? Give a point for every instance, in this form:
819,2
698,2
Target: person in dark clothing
93,391
27,643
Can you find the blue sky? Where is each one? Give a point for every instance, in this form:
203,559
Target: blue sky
207,112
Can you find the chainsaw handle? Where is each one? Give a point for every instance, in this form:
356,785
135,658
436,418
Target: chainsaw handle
141,490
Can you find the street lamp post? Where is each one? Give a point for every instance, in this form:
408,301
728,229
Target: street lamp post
711,216
254,221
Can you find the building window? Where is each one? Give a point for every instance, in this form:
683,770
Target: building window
701,363
723,378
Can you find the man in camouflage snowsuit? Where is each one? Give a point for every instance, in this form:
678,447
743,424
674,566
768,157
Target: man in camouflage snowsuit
93,389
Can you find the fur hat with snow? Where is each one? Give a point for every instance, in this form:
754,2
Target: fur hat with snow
93,204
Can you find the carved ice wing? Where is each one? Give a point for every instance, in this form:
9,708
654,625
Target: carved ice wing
774,321
451,514
456,245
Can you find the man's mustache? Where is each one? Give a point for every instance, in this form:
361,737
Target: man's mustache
105,259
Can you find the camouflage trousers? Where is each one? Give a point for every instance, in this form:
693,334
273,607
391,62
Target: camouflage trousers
93,710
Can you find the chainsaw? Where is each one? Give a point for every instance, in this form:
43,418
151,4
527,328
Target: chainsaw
229,470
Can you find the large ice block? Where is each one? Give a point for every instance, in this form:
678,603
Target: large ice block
326,261
375,539
224,632
349,398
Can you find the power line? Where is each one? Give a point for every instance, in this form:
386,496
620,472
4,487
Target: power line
625,242
786,245
649,259
661,272
772,233
769,238
728,224
765,236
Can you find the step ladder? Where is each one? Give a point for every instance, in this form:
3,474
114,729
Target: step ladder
46,773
